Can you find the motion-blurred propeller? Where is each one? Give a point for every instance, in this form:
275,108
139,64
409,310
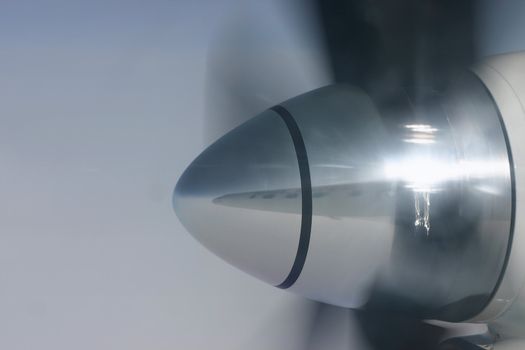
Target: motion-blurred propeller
389,48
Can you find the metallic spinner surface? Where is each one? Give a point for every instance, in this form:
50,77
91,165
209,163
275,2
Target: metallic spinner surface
362,203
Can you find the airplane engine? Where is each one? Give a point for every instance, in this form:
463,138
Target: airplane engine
396,202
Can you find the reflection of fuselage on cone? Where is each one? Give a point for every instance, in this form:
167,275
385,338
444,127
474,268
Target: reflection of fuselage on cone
363,203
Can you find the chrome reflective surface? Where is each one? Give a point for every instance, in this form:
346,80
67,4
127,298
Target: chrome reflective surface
412,200
421,200
257,156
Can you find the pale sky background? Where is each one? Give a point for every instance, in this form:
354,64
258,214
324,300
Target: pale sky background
101,108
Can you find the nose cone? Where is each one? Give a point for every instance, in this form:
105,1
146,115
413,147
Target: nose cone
241,198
